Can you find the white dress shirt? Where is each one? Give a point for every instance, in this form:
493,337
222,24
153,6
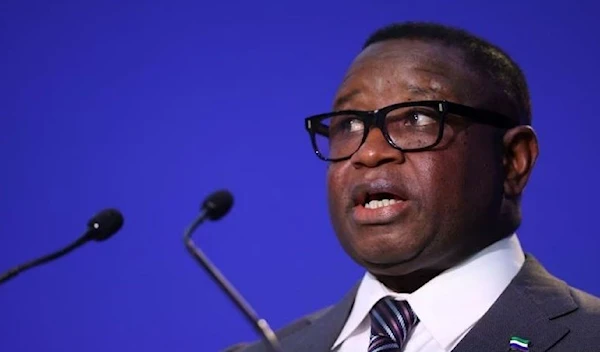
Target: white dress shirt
447,306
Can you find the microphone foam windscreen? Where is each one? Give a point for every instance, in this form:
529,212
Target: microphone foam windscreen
105,224
218,204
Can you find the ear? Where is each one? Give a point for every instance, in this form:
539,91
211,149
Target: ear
520,154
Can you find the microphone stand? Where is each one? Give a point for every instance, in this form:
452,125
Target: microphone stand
43,260
260,325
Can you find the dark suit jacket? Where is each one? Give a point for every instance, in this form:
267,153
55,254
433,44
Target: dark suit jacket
536,306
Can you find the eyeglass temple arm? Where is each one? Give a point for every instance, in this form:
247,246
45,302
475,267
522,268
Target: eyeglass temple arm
320,128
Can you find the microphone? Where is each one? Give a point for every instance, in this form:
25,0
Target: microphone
100,228
214,208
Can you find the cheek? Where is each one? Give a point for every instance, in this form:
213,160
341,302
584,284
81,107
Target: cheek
335,185
442,172
472,178
484,161
485,179
441,182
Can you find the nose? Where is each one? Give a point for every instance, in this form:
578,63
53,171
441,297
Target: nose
376,151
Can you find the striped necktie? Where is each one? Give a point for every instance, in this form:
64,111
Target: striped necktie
391,323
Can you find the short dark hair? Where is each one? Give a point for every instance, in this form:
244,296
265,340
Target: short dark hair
487,59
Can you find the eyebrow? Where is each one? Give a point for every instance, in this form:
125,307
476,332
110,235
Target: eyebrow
339,101
422,91
416,91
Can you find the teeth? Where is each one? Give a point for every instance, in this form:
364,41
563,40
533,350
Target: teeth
374,204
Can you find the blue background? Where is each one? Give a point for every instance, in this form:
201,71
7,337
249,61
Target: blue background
151,106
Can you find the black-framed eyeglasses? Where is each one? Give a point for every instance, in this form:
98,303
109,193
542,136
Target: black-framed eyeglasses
409,127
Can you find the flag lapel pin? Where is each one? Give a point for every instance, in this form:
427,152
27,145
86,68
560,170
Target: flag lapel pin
519,344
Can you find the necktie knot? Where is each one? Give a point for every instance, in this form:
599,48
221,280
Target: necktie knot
391,323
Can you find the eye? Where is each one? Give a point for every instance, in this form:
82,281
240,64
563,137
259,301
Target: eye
345,124
420,118
354,125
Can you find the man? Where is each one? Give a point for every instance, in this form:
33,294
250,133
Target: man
429,149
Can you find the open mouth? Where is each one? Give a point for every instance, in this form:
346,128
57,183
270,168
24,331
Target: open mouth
375,199
378,203
379,200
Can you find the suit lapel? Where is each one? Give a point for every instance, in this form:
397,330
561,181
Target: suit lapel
525,309
321,334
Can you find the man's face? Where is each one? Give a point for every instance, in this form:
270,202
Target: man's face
447,197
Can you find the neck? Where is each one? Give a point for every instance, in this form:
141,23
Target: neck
408,283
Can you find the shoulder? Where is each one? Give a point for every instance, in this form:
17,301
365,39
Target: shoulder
586,299
583,323
289,329
588,310
556,296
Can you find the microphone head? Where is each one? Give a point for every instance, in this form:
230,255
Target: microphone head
217,204
105,224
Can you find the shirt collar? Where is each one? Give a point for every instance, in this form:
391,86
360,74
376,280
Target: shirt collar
452,302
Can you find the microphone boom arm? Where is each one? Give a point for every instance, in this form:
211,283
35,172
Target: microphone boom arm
261,326
100,228
11,273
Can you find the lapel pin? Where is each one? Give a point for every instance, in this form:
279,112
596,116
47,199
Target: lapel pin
519,344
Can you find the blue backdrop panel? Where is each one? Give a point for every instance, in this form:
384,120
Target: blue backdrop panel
150,106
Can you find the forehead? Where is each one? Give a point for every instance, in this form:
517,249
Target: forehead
401,70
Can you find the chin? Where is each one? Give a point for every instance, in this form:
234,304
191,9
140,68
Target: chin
387,257
391,257
393,269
